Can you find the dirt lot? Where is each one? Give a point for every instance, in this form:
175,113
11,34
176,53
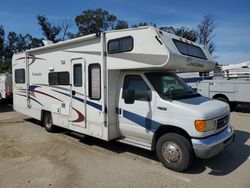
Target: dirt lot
31,157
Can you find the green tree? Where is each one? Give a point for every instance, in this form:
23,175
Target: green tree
95,21
49,30
121,24
182,32
206,32
2,33
140,24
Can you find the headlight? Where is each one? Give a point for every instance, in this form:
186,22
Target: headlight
204,125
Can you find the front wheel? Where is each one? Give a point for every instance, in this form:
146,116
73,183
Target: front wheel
47,122
174,151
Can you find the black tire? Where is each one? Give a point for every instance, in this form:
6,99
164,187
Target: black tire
179,150
223,99
48,123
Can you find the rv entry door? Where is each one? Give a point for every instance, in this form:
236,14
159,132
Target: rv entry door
78,94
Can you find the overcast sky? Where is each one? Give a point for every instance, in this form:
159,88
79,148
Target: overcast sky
232,35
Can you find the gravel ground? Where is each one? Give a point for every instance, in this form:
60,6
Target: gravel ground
32,157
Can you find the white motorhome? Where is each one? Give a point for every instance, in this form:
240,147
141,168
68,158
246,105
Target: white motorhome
5,86
122,85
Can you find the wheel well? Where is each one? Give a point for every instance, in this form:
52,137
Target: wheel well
163,129
220,95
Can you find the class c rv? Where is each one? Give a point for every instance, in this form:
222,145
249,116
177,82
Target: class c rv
122,85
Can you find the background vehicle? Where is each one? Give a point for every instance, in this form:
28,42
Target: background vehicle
122,85
5,87
231,86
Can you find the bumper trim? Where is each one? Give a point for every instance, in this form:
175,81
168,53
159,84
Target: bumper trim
211,146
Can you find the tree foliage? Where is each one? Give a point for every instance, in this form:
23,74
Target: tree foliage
121,24
206,32
49,30
2,33
95,21
14,43
182,32
140,24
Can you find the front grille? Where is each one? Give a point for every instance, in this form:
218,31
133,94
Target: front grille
221,122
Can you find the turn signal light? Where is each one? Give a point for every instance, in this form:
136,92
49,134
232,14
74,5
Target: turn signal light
200,125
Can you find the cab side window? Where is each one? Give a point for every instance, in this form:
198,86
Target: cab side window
136,83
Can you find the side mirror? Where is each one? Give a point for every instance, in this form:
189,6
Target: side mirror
129,96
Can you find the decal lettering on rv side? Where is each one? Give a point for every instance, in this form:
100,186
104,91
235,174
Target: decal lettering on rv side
36,74
194,63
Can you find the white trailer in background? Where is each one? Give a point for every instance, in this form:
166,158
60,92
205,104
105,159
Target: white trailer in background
232,86
5,86
122,85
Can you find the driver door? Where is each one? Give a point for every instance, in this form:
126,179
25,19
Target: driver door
135,119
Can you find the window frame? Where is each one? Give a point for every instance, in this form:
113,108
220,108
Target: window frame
89,81
119,40
190,55
149,89
24,79
80,85
58,82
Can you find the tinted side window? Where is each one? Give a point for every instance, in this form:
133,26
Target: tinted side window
59,78
20,76
53,78
137,84
78,75
189,49
63,78
124,44
95,81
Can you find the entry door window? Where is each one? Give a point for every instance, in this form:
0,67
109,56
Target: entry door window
78,75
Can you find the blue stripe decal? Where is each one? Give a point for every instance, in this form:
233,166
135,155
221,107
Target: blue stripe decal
142,121
36,101
20,95
98,106
94,105
30,98
61,93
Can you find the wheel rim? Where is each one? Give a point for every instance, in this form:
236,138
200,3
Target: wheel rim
172,153
48,122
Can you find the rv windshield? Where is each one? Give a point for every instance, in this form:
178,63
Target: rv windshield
170,86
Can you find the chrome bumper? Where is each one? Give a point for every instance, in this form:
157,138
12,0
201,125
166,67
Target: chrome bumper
211,146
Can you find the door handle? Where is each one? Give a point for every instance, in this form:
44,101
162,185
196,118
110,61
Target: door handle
73,92
118,111
161,108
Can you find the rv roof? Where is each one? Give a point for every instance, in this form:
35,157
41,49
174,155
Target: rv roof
83,38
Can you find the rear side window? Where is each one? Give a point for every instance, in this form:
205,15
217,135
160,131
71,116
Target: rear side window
124,44
59,78
20,76
136,83
95,81
78,75
189,49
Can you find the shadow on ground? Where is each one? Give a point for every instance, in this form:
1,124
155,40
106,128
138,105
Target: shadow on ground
243,108
5,107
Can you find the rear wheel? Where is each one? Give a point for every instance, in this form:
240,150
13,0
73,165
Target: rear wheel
47,122
223,99
174,151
